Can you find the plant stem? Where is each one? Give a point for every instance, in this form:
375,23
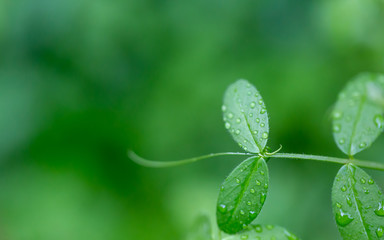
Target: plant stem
360,163
158,164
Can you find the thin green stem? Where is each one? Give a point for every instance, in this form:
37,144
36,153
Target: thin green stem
360,163
158,164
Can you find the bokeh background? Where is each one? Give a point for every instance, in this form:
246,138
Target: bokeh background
82,81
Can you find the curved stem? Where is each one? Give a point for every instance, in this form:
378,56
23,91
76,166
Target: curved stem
360,163
158,164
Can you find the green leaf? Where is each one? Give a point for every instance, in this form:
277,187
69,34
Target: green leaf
201,229
242,195
259,232
358,114
245,116
358,204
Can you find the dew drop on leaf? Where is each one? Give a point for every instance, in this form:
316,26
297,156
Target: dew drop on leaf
237,180
362,180
262,198
265,135
379,232
343,188
252,190
230,115
224,108
257,120
380,210
342,141
336,128
379,121
258,183
227,125
237,132
252,105
370,182
222,208
238,120
262,125
337,115
343,219
362,145
242,212
258,229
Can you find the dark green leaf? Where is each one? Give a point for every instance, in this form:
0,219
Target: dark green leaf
201,229
358,114
358,204
242,195
261,232
245,116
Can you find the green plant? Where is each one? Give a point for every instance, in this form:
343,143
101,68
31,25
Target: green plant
358,203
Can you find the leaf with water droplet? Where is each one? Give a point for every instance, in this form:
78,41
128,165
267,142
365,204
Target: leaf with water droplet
260,232
245,116
358,115
201,229
244,185
357,204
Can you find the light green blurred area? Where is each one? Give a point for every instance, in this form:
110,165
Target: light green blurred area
83,81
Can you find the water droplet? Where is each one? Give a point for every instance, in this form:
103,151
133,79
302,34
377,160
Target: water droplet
262,124
343,218
261,102
337,114
230,115
342,141
252,213
244,237
237,180
249,93
265,135
262,111
255,132
238,120
366,191
338,179
336,128
370,182
266,186
290,236
338,205
224,108
252,190
222,208
379,232
258,183
362,180
379,121
263,196
258,229
227,125
380,210
222,188
349,201
252,104
257,120
242,212
245,148
251,115
262,173
343,188
362,145
237,132
270,227
249,203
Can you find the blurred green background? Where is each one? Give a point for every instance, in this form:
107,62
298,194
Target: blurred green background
82,81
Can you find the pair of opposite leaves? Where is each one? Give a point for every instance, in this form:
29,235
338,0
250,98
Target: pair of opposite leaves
357,122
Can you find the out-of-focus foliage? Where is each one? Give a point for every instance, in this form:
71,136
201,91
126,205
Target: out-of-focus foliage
82,81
